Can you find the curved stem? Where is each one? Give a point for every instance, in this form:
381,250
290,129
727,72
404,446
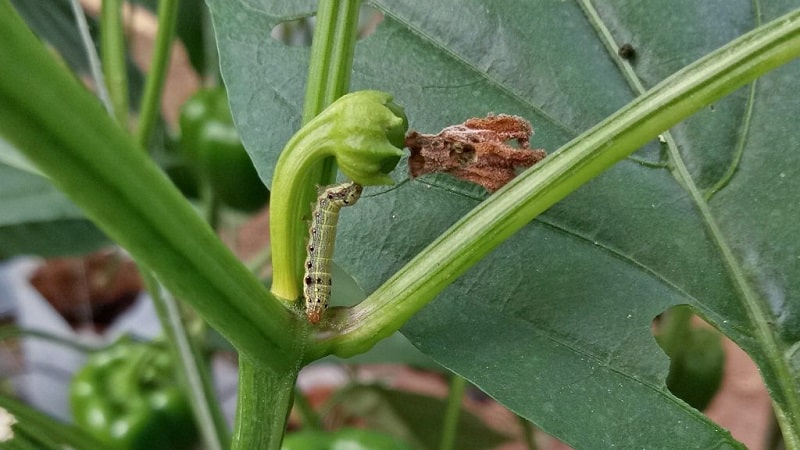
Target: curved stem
293,185
269,390
151,101
356,130
112,46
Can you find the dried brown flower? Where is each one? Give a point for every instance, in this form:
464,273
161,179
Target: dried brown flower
476,150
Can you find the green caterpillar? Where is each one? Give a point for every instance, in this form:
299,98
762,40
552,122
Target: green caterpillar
322,235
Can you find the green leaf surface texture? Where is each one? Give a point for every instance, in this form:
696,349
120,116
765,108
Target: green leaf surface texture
35,218
556,322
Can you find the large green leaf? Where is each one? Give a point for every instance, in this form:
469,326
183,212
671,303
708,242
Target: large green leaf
555,323
35,218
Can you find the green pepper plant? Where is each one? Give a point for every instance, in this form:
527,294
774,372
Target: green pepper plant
565,342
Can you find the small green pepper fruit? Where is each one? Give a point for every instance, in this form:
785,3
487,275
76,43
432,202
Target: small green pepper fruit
127,397
343,439
212,146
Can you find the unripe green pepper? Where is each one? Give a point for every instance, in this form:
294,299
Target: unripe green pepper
127,397
212,146
343,439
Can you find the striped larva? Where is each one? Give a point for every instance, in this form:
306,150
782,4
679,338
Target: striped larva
322,235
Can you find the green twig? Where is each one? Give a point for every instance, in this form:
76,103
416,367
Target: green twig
191,365
329,71
331,61
450,422
91,55
264,393
12,331
528,433
151,101
310,418
112,46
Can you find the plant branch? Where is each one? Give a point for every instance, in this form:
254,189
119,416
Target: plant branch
329,70
79,147
450,424
265,400
112,46
91,55
191,366
362,130
150,108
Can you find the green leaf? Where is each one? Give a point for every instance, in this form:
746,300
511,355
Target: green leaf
55,24
416,418
555,323
35,218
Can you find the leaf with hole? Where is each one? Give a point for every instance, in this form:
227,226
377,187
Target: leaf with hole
555,323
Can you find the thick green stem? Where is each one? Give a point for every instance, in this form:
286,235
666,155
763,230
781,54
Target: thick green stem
151,101
80,148
112,46
265,399
260,390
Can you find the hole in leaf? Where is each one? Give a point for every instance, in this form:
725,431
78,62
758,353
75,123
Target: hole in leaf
713,374
697,358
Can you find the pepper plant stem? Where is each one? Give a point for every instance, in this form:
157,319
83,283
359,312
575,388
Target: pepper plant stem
450,425
112,47
154,86
265,391
191,366
265,399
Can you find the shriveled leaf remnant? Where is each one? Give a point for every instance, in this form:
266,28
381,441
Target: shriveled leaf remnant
476,150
